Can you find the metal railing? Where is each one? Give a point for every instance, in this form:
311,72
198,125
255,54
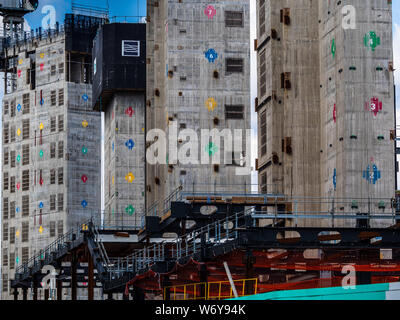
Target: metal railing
216,290
61,243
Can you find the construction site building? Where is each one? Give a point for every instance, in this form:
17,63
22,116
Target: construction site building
326,106
51,140
198,77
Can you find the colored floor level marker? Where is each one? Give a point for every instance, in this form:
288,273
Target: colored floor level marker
20,61
211,104
211,149
210,12
130,144
41,229
130,112
371,40
19,107
19,132
85,124
130,210
19,73
17,233
333,48
375,106
84,150
18,186
41,66
130,177
84,178
211,55
334,113
84,203
372,175
334,179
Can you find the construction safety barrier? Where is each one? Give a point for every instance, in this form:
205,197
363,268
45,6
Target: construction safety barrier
217,290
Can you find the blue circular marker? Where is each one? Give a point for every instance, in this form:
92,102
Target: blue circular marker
19,107
17,209
41,205
85,97
84,203
130,144
211,55
42,102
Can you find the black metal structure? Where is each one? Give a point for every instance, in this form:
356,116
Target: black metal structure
119,61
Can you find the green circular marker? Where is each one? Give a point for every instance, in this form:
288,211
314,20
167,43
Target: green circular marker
41,153
18,158
84,150
17,260
130,210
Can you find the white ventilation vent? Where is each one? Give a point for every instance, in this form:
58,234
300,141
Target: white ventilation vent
130,48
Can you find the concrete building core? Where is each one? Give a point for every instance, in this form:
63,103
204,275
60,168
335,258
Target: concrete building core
119,90
51,142
198,77
326,106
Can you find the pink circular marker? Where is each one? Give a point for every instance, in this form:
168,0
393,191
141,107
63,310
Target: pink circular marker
84,179
210,11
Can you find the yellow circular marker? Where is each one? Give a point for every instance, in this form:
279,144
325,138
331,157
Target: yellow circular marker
211,104
18,132
17,233
42,55
41,229
130,177
143,129
85,123
20,61
41,126
113,180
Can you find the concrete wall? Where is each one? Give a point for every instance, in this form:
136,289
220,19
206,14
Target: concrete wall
327,111
124,123
74,108
181,80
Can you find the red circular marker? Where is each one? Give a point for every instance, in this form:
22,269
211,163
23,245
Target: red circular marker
130,112
18,186
84,179
41,181
19,73
41,66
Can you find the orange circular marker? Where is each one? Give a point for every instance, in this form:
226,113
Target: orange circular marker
211,104
130,177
